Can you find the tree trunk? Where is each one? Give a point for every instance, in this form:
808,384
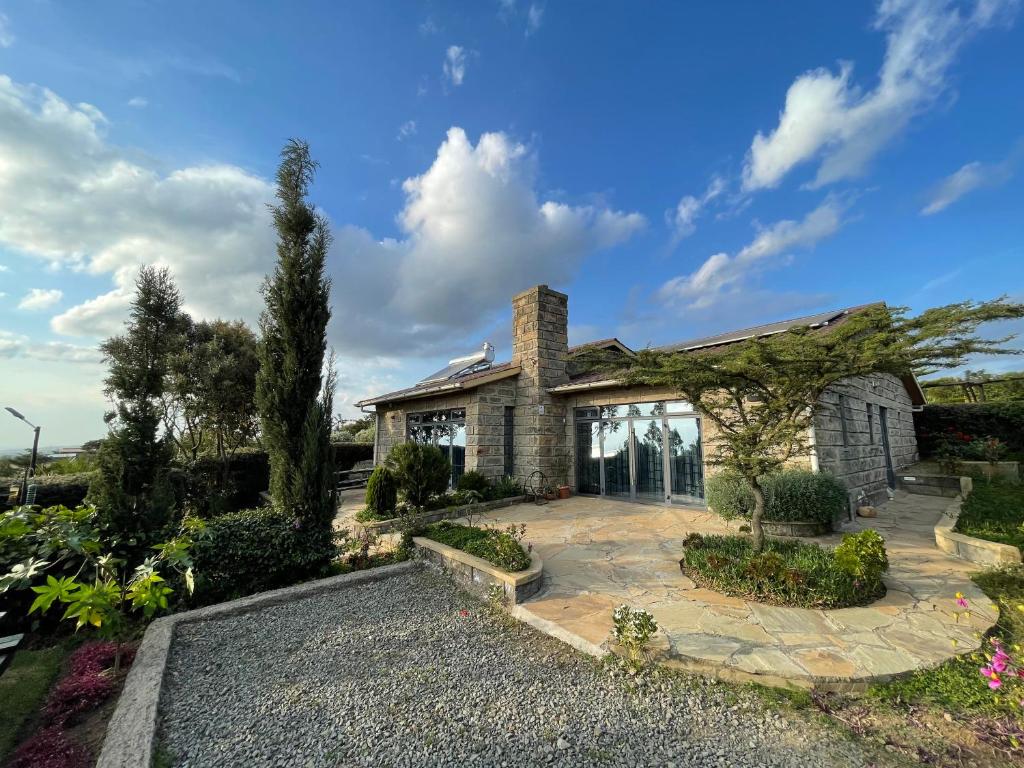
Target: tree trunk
756,531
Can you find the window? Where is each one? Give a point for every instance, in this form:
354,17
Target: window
445,429
871,423
509,445
842,420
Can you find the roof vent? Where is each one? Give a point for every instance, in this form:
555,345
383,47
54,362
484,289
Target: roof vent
461,366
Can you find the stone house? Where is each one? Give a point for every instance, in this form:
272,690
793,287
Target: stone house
540,413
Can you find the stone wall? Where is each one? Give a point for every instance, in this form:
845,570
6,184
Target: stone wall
540,345
858,460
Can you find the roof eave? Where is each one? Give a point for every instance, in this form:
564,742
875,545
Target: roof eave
440,389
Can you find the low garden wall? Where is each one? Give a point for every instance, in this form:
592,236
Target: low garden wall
479,576
949,486
436,515
132,733
978,551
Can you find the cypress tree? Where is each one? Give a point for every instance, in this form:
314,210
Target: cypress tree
294,401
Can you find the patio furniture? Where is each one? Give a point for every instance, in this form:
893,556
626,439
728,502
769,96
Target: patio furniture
356,477
8,645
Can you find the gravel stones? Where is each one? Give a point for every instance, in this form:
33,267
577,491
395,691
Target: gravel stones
409,671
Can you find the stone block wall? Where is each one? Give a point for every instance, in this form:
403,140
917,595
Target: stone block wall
540,345
859,461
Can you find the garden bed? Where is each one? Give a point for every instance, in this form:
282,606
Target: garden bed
790,573
432,516
994,512
480,576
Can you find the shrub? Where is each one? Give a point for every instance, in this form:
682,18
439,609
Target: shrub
382,492
505,488
862,555
51,748
251,551
98,656
995,512
474,481
347,455
793,495
500,548
55,490
633,628
210,486
786,573
935,424
422,471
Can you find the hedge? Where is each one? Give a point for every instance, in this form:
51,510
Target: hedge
1002,420
346,455
199,485
793,495
51,490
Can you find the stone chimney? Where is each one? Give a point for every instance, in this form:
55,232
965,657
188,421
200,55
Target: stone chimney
540,345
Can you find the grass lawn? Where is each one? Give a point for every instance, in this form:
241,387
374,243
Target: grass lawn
23,688
995,512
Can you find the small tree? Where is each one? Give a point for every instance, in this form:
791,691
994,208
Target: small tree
422,471
295,402
759,395
132,490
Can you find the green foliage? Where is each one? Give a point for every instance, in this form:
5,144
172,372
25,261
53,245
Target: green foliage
506,487
102,590
500,548
474,481
994,511
347,455
382,492
295,403
974,386
213,485
785,573
791,495
132,488
862,555
83,462
422,471
23,689
250,551
53,490
362,431
633,629
937,425
759,394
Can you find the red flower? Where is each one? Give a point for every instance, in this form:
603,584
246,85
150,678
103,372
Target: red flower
463,612
50,748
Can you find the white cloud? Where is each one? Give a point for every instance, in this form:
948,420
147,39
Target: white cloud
406,129
722,274
429,27
4,268
16,345
454,66
828,118
534,18
6,37
138,102
39,298
683,219
970,177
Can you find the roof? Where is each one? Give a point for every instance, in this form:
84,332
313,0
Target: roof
611,343
426,389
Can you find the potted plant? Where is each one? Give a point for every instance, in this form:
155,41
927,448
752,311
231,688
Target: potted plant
563,491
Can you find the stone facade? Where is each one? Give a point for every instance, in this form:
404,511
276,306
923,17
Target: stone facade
540,346
848,433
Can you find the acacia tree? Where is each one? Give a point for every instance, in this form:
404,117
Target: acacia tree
295,402
759,393
132,490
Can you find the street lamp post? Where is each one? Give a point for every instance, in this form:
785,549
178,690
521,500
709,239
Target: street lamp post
31,471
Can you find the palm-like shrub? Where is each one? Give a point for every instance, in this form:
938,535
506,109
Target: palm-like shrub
382,491
422,471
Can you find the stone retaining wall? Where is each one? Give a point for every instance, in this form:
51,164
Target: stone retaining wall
969,548
434,516
479,576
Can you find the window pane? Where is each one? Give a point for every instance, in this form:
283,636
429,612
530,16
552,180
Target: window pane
678,406
588,457
650,468
685,459
616,458
458,452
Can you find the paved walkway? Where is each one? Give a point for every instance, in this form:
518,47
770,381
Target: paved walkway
600,553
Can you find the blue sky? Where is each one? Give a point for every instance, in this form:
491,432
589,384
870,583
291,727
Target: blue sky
678,169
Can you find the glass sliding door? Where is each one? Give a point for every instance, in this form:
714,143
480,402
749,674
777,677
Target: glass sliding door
617,475
649,459
588,457
686,463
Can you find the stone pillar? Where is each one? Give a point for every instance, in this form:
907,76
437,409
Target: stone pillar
540,344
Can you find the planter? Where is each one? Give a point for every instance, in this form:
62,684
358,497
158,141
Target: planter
794,528
479,576
563,491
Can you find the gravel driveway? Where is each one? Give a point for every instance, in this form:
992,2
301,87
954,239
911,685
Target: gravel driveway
409,671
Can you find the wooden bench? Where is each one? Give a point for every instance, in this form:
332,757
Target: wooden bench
8,645
355,477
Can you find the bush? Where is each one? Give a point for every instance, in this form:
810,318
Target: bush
382,492
252,550
53,490
208,488
995,512
505,488
500,548
862,555
790,573
793,495
51,748
474,481
347,455
935,424
422,471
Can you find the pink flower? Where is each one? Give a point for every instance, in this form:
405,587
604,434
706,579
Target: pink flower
994,682
463,612
961,600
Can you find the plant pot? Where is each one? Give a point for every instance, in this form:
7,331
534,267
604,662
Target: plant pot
794,528
563,491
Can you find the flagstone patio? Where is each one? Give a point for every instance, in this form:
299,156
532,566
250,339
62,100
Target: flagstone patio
600,553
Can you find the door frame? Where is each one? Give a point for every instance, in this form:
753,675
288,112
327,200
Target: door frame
883,428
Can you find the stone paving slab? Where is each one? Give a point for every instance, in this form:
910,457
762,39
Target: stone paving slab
599,553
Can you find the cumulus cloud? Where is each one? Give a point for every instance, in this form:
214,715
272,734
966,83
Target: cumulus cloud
17,345
39,298
454,66
971,177
722,274
827,117
138,102
683,220
6,37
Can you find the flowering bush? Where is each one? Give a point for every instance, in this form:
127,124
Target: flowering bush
633,629
98,656
50,748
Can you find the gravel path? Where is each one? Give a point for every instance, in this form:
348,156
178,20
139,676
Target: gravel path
411,672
